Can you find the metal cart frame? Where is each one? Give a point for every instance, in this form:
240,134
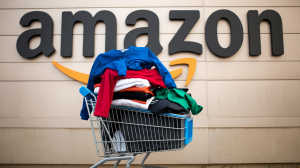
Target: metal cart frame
130,131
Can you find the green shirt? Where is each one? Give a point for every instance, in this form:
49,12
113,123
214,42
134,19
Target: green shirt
180,97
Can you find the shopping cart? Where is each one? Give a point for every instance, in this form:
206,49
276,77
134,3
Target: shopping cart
131,131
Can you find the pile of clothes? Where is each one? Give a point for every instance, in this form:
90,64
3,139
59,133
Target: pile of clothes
136,78
132,92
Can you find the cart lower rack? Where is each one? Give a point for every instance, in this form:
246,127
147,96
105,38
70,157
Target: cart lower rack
131,131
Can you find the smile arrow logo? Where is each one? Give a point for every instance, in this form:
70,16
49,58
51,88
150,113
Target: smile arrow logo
82,77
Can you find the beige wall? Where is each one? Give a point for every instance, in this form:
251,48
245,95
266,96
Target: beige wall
251,104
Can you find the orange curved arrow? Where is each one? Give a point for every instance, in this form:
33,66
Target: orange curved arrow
82,77
176,73
192,67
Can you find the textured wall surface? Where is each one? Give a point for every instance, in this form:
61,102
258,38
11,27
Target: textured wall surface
251,104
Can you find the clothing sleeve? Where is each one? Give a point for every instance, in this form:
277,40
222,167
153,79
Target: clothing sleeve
106,91
195,108
84,112
90,85
165,74
121,67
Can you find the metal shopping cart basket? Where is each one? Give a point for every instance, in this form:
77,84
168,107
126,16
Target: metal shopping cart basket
131,131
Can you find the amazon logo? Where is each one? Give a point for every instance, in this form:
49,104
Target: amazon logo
82,77
176,45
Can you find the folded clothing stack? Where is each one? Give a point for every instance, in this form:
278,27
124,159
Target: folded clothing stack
134,81
137,93
132,92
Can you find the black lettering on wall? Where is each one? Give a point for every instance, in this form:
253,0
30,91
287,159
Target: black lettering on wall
152,30
89,22
177,44
46,32
275,22
211,36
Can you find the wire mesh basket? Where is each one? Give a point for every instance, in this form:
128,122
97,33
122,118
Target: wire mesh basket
132,131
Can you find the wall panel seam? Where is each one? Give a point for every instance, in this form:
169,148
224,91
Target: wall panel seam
258,61
126,33
218,127
207,114
70,62
70,80
153,7
252,6
102,7
252,79
195,127
209,61
250,117
262,61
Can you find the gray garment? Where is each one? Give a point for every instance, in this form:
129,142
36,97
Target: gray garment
119,141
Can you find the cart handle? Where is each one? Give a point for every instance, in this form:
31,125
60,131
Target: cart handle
84,91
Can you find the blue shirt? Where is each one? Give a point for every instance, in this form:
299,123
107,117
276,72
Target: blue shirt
132,58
